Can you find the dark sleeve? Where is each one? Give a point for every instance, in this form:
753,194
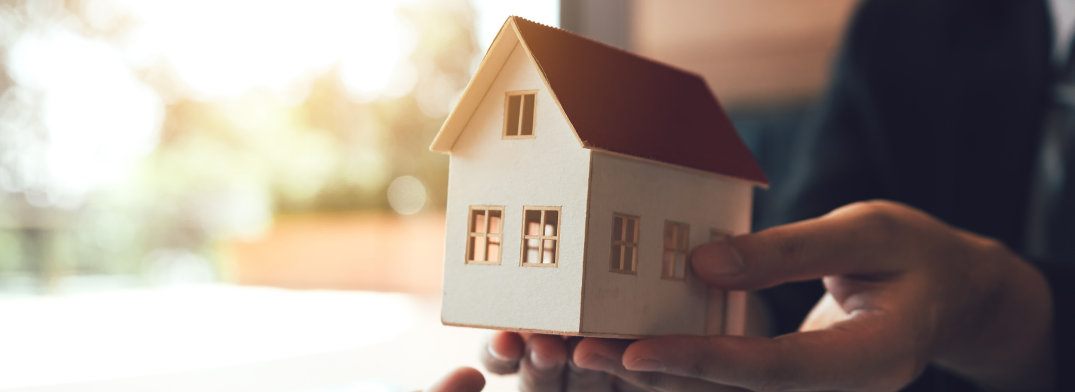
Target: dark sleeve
830,167
1061,278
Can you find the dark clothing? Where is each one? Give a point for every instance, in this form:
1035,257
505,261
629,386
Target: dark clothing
939,105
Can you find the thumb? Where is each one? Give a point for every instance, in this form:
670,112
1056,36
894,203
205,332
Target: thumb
862,238
464,379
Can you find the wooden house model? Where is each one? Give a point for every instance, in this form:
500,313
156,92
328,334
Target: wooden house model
580,177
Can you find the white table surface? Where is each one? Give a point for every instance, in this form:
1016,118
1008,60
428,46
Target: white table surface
230,338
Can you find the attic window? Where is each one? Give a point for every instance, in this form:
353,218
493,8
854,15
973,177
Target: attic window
484,234
541,236
624,244
519,112
674,260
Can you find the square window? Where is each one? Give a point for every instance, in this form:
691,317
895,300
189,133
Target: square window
541,236
624,244
484,235
676,246
520,111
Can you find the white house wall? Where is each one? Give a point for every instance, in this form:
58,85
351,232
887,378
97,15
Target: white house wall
645,304
551,169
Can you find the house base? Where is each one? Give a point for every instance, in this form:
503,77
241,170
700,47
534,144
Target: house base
547,332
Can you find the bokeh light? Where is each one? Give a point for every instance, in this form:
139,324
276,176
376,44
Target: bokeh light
406,195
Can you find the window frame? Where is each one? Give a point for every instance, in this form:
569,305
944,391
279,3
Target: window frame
623,244
541,238
507,109
486,234
675,251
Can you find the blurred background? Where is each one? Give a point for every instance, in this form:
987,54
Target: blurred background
149,144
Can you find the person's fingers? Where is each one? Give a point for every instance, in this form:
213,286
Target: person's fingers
502,352
856,239
865,352
542,366
606,355
580,379
825,313
460,380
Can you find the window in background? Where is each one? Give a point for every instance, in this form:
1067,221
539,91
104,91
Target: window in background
484,235
519,111
675,250
624,244
541,236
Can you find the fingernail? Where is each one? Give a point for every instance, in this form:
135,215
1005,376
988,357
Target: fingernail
719,259
540,362
646,365
597,362
495,354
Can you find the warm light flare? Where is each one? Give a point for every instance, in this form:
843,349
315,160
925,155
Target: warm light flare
225,48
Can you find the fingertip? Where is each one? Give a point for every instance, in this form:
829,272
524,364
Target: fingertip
598,353
506,346
648,348
464,379
717,261
546,351
643,354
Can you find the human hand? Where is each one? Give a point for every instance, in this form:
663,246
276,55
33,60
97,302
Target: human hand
904,290
464,379
544,363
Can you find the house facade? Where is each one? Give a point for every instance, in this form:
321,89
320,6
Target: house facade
567,212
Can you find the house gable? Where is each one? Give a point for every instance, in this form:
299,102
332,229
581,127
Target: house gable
549,171
618,102
506,42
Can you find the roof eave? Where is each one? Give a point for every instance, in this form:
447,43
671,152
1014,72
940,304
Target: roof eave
479,84
763,185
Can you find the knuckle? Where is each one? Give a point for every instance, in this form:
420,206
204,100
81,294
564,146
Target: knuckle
878,220
789,247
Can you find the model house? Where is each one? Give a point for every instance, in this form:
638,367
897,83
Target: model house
581,176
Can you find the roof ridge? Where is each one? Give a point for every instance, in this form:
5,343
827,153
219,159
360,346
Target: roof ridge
619,101
616,48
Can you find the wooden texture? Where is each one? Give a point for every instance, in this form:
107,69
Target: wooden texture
645,304
551,169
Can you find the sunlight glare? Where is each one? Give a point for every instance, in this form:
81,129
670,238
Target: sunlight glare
225,48
99,117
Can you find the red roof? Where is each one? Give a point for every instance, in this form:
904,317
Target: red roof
623,103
